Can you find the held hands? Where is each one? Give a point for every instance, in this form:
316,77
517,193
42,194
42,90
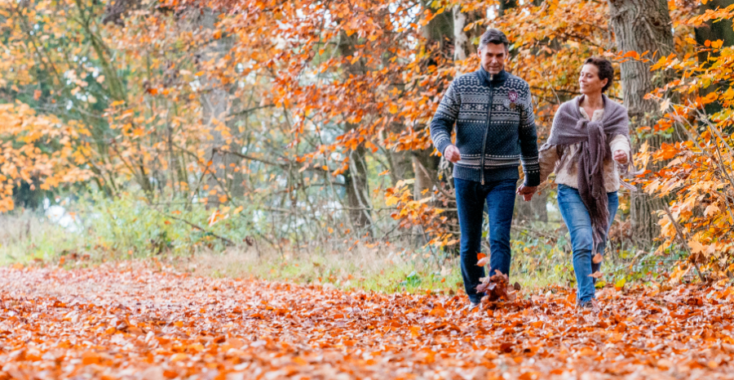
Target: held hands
620,156
452,153
527,192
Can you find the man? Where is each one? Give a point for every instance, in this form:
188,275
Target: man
495,131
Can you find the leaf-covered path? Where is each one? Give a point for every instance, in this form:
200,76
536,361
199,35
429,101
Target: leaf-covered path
133,321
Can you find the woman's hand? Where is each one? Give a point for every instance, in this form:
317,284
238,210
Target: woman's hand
620,156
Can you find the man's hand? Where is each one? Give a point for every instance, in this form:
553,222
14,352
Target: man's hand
620,156
527,191
452,153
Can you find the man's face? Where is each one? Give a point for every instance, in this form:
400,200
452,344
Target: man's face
493,57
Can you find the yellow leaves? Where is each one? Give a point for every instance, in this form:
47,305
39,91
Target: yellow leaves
393,108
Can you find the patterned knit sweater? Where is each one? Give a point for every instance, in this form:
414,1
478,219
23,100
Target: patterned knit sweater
495,127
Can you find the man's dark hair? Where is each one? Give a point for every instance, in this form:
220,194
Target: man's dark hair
606,71
493,36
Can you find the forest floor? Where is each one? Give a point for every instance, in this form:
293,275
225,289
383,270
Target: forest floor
136,320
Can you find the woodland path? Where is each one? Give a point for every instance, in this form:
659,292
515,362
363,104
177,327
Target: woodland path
137,321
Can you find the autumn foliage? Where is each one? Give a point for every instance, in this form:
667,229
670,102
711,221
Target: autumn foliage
132,321
294,106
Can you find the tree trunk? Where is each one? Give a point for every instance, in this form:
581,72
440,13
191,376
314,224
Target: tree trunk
463,46
712,31
640,26
358,191
356,180
214,101
438,32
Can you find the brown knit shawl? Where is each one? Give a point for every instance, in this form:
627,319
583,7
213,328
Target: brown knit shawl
570,127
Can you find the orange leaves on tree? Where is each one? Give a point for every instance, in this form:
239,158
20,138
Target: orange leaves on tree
28,163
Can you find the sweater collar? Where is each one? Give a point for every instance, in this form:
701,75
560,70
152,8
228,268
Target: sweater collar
605,102
497,78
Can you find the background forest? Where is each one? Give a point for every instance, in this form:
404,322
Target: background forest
295,131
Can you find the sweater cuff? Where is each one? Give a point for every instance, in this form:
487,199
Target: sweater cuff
620,143
532,178
443,144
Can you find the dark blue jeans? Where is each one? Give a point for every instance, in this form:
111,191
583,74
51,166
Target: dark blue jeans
470,199
576,216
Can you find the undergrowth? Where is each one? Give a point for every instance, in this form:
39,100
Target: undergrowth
186,236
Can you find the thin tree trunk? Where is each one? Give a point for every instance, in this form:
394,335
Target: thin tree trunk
356,180
357,186
214,107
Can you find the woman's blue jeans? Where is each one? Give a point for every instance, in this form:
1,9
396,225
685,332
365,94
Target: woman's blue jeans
470,199
577,219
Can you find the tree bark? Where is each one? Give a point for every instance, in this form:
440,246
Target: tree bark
642,26
463,46
356,180
214,106
439,32
357,188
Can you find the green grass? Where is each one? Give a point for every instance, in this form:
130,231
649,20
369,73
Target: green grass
371,269
27,237
128,228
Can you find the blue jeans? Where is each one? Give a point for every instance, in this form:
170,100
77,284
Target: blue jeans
577,219
470,199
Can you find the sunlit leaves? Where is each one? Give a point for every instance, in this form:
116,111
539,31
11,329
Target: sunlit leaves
126,320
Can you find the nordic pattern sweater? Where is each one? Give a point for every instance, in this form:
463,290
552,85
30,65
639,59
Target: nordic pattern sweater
495,127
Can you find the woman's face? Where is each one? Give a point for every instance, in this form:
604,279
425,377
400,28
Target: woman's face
589,81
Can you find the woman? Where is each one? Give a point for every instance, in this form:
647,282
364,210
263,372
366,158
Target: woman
589,134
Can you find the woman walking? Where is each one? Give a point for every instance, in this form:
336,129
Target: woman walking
588,140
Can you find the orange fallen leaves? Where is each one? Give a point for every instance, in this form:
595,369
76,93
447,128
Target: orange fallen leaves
130,321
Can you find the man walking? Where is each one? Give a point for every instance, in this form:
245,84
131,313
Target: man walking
495,132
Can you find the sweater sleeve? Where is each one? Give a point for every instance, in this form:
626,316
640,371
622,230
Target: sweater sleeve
445,118
620,142
529,141
548,160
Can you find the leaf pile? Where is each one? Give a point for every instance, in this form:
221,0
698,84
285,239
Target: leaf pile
132,321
